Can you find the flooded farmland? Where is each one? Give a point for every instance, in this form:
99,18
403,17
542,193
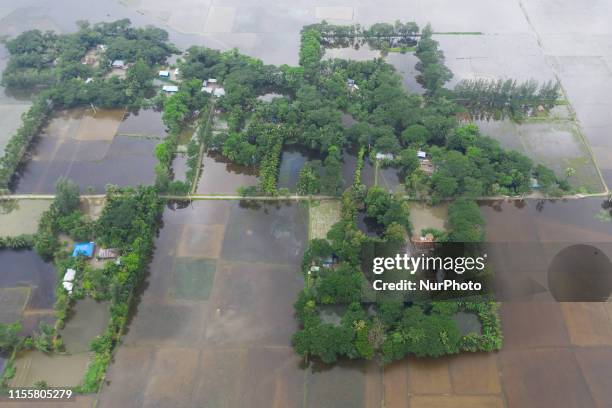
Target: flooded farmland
226,342
556,143
85,146
232,320
554,354
143,123
220,176
21,217
24,268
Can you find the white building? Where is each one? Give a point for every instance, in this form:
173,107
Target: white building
170,88
118,64
384,156
164,74
68,282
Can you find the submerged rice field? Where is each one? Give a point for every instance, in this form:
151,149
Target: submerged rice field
93,149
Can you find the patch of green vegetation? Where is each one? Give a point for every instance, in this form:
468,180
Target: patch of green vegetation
401,50
424,328
193,278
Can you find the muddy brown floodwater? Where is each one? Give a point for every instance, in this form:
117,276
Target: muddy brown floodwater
225,340
292,161
25,268
555,354
86,148
220,176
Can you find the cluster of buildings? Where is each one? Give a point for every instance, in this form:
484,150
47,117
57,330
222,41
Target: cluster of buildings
424,163
87,250
211,86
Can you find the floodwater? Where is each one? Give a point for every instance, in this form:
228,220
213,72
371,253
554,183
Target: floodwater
143,123
554,353
230,346
10,120
390,179
58,370
292,161
21,216
363,53
468,323
556,143
179,166
25,268
349,164
220,176
86,320
424,216
84,147
403,63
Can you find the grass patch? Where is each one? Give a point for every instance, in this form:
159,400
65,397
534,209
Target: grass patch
193,278
323,215
401,50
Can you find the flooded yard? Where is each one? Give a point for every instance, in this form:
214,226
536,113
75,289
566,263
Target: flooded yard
292,161
21,216
220,176
143,123
10,121
25,269
423,216
85,147
223,281
58,370
390,179
86,320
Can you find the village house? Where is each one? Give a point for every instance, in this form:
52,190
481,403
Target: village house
85,249
211,86
352,86
170,89
68,281
423,243
119,64
384,156
107,253
424,163
164,74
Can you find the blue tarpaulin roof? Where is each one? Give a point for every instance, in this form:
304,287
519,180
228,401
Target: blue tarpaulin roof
83,248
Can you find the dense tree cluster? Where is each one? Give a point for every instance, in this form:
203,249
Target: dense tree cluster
42,59
383,36
433,74
496,98
473,165
387,119
381,326
53,63
129,223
